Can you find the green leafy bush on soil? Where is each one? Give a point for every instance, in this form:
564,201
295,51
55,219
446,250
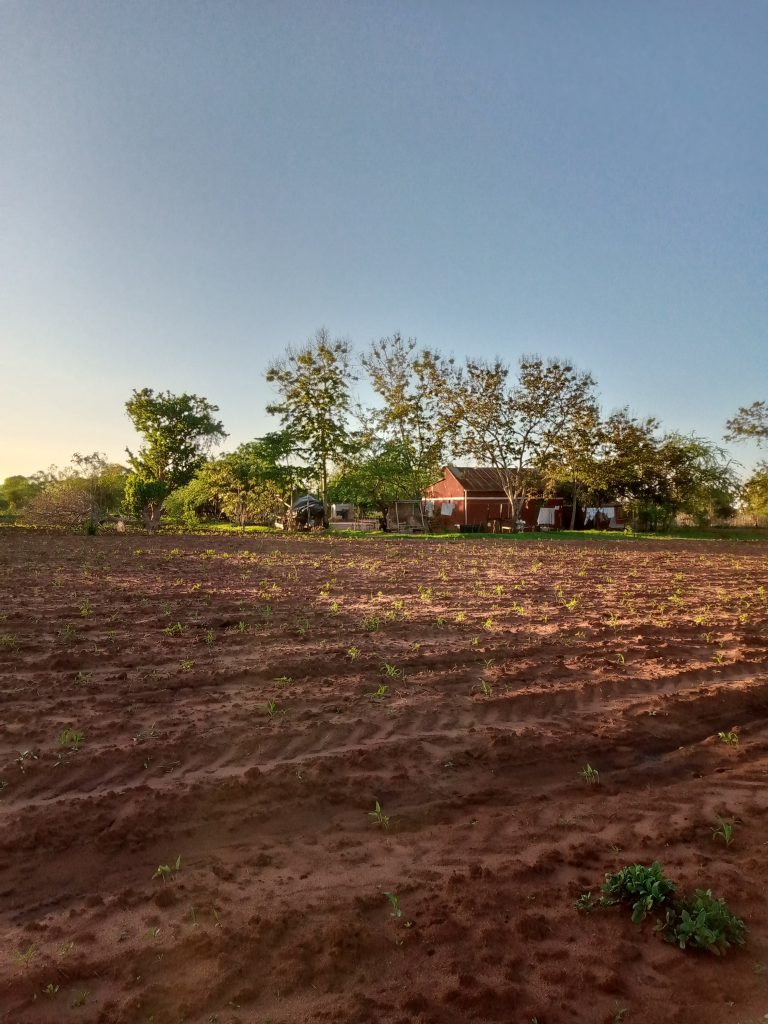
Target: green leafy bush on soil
645,888
703,922
700,922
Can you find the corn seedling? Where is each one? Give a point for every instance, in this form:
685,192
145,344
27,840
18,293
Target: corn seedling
585,904
175,630
208,636
83,677
723,830
70,739
9,641
186,664
167,870
86,609
379,817
380,693
25,955
731,737
395,904
353,652
81,999
390,670
590,774
67,633
50,990
371,623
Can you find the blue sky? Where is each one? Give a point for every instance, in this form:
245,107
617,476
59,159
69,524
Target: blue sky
188,187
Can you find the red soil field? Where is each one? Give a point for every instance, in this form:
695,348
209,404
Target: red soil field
245,702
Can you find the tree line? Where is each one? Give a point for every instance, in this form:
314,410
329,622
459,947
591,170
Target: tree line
539,423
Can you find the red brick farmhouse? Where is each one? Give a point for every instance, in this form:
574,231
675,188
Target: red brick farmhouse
474,496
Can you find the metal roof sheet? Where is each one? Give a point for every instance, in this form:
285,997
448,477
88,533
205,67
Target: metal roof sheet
485,479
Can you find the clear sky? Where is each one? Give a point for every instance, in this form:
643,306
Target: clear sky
188,187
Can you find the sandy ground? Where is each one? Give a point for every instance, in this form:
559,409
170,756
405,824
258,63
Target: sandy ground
243,704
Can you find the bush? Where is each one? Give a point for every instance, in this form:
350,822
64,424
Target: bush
645,888
703,922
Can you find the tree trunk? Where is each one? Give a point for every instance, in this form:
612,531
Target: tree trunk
151,516
573,509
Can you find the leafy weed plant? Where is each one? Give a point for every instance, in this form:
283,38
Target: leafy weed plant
646,889
703,922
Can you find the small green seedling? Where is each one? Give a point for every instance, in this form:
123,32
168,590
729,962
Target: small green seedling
395,904
390,670
50,989
723,830
81,999
585,904
379,817
731,737
353,652
590,774
70,739
25,955
167,870
380,693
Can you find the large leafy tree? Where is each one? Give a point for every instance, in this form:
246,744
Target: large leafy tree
661,475
179,431
407,435
251,484
754,493
515,422
248,484
377,473
314,383
749,423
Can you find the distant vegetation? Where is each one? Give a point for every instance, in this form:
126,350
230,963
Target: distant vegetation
539,424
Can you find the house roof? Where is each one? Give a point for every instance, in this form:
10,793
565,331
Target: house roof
478,478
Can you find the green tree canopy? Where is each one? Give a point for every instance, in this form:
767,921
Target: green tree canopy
749,423
407,435
179,431
515,422
314,384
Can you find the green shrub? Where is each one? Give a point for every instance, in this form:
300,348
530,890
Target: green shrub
703,922
645,888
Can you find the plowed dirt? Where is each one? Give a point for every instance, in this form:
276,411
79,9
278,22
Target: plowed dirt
244,703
